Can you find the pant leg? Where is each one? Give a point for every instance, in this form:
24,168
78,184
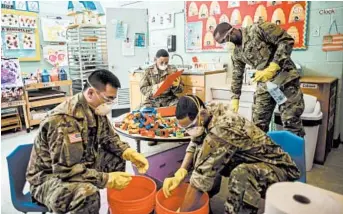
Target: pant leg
63,197
263,107
293,108
248,184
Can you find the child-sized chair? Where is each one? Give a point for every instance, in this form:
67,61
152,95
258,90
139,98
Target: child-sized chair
17,163
294,146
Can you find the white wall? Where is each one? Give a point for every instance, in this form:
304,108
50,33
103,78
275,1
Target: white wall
178,30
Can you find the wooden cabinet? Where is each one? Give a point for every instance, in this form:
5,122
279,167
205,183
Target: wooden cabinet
200,83
325,89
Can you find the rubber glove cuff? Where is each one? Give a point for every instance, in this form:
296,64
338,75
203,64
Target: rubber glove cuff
128,153
181,174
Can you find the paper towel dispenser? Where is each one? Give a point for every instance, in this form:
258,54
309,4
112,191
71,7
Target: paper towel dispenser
171,43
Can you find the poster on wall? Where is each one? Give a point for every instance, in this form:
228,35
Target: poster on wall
54,30
140,40
194,36
160,21
56,54
19,35
10,73
290,15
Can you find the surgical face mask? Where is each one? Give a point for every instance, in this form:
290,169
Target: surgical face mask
162,67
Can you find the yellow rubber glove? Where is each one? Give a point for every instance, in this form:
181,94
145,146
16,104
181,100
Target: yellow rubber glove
170,184
176,82
137,159
118,180
267,74
235,105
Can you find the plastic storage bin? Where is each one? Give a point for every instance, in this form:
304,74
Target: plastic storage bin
311,119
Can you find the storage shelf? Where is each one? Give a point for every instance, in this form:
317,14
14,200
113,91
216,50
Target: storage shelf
12,104
35,122
10,127
48,84
9,121
47,102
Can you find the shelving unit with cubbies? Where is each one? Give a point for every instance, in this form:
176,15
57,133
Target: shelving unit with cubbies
44,100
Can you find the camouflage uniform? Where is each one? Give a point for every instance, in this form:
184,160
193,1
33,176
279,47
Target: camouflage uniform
71,156
261,44
238,149
148,85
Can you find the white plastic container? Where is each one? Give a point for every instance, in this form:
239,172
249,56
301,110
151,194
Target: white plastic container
311,119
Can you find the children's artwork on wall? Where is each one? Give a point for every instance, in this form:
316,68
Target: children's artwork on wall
56,54
290,16
33,6
12,41
20,38
9,20
28,41
27,21
54,30
20,5
193,9
10,73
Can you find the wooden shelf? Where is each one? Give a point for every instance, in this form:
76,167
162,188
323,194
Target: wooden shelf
48,84
9,121
13,104
47,102
34,122
10,127
7,115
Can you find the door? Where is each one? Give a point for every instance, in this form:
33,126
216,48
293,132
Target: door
119,64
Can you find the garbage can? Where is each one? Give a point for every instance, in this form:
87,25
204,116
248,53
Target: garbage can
311,119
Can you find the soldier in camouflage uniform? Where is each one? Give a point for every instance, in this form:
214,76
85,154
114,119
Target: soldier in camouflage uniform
267,48
154,77
77,152
226,143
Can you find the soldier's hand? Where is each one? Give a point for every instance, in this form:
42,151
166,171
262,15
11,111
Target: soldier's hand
137,159
170,184
267,74
176,82
118,180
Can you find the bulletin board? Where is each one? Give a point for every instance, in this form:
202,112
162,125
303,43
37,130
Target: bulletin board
202,17
20,35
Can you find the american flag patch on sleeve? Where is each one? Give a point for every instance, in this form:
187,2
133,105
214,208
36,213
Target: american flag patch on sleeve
75,137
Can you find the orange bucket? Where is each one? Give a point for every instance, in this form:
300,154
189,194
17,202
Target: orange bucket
137,198
171,204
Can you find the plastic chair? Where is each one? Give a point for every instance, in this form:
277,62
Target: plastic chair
17,163
294,146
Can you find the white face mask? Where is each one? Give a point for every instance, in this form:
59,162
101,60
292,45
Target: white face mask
162,67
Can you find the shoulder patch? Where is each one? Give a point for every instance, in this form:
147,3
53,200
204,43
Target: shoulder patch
75,137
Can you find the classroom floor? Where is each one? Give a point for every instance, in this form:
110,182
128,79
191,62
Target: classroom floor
328,176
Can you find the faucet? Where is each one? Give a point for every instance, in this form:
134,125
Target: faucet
183,65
